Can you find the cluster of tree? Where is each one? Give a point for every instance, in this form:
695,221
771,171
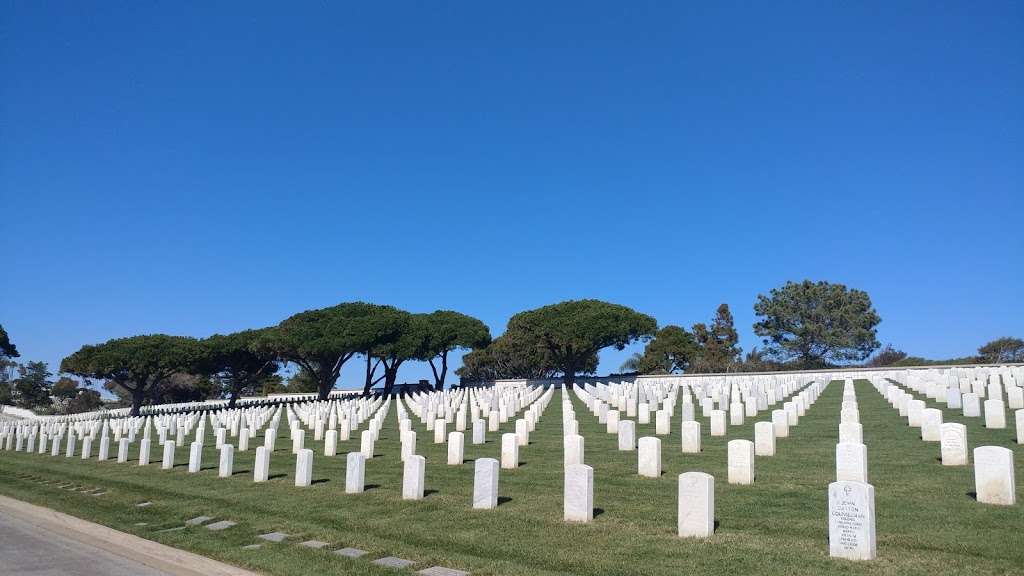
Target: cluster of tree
558,340
319,342
999,351
805,325
29,385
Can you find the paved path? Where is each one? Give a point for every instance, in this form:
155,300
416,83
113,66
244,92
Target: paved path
38,541
30,550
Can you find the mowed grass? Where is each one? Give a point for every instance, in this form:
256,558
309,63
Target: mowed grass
927,519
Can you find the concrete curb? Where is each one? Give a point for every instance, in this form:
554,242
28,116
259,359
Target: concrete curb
152,554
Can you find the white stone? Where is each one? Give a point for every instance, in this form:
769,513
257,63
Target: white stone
366,444
485,484
509,451
144,451
612,424
522,432
851,520
1019,417
227,460
718,423
648,456
122,450
408,444
298,440
479,434
627,436
690,435
578,496
781,423
741,462
573,450
413,477
995,414
439,430
953,444
456,446
304,467
994,476
696,505
971,405
261,468
852,462
104,447
851,432
764,439
195,457
661,422
355,472
331,443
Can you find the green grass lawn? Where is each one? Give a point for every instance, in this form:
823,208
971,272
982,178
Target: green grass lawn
927,520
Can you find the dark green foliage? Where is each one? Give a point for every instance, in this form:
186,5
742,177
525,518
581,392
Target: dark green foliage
447,331
887,356
572,332
718,345
32,386
1002,350
138,365
321,341
671,351
86,401
237,362
817,324
513,355
7,349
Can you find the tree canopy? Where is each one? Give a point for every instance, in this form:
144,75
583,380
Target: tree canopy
7,349
815,324
574,331
718,344
321,341
237,362
670,351
1001,350
32,386
513,355
411,342
138,364
447,331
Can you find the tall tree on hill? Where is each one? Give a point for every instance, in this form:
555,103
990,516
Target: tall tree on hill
1002,350
7,367
816,324
237,362
447,331
574,331
412,343
321,341
139,365
32,386
719,349
671,351
514,355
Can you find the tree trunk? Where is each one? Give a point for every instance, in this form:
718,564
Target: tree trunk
390,375
439,377
326,384
138,395
569,376
235,393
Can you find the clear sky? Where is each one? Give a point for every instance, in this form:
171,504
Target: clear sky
193,167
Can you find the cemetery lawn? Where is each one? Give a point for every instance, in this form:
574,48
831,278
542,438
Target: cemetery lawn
927,519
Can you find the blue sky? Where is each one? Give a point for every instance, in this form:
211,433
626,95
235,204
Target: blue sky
191,168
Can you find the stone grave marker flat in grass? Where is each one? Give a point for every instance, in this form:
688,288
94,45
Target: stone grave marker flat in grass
274,536
222,525
351,552
393,562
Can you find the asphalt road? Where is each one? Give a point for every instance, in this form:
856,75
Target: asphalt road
28,550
